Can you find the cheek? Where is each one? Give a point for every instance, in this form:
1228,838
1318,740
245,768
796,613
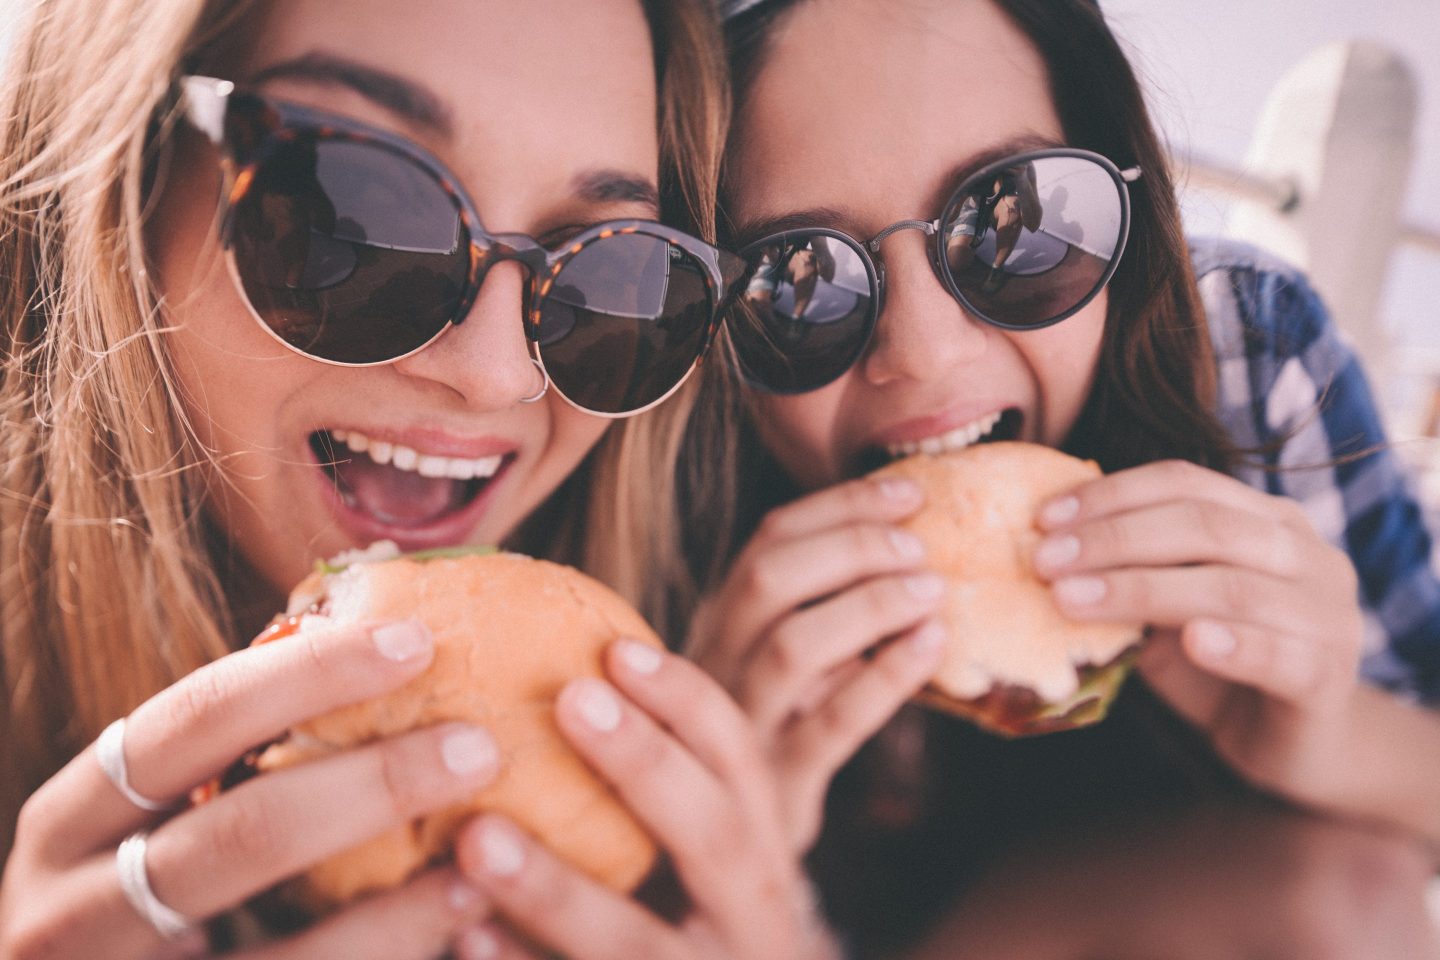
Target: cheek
1065,359
800,433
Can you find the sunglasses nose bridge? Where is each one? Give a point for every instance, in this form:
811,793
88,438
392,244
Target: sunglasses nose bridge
516,247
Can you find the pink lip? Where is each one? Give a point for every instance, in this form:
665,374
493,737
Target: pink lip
919,428
453,529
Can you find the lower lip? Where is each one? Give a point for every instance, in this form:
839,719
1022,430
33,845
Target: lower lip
451,530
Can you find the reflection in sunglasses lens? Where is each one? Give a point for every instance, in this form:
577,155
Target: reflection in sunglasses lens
1029,243
348,251
624,322
805,316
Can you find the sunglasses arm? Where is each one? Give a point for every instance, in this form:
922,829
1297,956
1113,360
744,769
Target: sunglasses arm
204,100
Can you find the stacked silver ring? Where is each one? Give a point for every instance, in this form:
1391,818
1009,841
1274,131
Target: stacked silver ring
110,750
135,882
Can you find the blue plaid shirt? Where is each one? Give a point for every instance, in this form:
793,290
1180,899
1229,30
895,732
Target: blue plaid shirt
1289,384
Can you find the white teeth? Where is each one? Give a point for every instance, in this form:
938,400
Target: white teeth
957,439
407,458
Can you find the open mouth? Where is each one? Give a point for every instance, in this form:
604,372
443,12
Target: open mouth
1002,425
398,486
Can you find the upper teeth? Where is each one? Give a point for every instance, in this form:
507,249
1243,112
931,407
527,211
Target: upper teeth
407,458
957,439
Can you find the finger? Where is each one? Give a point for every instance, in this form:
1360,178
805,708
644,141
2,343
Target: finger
414,922
1154,483
553,903
1176,532
1193,693
765,585
812,642
1173,596
276,825
879,500
1286,667
818,744
490,941
193,730
701,787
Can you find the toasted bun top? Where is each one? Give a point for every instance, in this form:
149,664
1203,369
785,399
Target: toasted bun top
510,631
978,526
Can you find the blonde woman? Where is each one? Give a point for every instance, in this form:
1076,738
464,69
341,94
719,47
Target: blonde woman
266,281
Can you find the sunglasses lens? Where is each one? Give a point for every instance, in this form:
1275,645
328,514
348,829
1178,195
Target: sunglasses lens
1031,243
349,251
624,321
806,315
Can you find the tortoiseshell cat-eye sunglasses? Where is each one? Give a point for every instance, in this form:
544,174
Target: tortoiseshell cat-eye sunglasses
355,246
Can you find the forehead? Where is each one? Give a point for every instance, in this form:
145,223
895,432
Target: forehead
874,104
548,82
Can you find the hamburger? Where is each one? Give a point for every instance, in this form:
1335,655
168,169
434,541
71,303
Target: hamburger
510,631
1015,665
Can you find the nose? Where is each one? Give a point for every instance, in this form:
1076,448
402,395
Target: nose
923,333
486,358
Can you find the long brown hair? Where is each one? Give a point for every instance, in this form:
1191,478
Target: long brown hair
111,586
1154,389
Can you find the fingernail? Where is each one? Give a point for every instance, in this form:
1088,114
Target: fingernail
640,657
462,897
929,638
1060,511
1212,641
901,491
402,641
478,943
1080,590
925,586
501,850
597,704
1055,552
467,751
906,545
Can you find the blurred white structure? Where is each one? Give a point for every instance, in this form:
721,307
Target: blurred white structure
1323,185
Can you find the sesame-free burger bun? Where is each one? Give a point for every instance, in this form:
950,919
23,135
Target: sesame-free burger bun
510,631
1015,664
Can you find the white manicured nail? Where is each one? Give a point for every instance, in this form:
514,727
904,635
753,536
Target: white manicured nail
929,638
906,545
478,943
597,704
925,586
901,491
467,751
640,657
1081,591
402,641
1055,552
462,897
1060,511
1212,641
501,850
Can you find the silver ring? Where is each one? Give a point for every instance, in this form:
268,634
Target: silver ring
544,383
110,751
135,882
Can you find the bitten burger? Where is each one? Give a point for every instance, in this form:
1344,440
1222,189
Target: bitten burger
1015,665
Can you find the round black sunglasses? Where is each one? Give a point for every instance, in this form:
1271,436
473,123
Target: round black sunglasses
1022,244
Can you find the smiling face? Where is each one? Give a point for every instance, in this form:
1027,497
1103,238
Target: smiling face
885,133
549,131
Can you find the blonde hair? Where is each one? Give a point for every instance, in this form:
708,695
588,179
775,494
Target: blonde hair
109,589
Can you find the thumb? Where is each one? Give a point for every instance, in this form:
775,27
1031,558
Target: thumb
1191,692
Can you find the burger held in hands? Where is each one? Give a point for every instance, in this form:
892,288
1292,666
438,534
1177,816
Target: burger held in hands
1015,664
510,631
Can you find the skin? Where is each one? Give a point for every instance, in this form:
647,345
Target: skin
528,116
1255,618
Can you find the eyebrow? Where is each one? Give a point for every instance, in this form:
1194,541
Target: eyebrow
407,99
837,217
616,186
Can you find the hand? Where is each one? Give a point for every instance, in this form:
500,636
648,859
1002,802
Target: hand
822,629
1257,622
682,756
60,896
